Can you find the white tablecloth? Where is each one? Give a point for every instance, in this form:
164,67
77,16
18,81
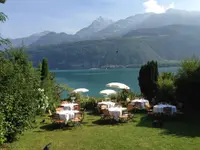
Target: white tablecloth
108,103
116,112
66,115
142,101
159,108
69,106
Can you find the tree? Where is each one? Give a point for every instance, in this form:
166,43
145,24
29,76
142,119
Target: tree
2,1
148,77
166,88
187,85
45,70
49,85
3,18
19,83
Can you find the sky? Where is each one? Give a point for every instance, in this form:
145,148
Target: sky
27,17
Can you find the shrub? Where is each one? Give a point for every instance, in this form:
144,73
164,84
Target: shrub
166,88
188,83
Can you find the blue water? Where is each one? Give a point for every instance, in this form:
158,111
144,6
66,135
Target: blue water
95,80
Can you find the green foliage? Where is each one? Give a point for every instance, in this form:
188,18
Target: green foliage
94,54
148,77
48,83
188,83
2,129
44,70
19,82
166,88
124,94
3,18
88,103
2,1
22,96
60,88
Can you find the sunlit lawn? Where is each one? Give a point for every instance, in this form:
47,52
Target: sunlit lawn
137,135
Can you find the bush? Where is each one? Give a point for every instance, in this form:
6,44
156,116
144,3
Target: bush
188,83
19,96
166,88
2,129
20,99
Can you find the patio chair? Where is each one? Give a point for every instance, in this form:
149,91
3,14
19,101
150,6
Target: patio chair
50,113
130,108
64,102
60,108
56,120
77,107
126,116
149,108
167,110
103,107
106,115
78,118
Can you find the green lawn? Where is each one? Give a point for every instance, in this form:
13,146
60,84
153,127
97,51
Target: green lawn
137,135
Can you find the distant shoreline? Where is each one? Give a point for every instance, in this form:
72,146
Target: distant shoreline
91,69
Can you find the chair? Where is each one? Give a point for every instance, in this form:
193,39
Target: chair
77,107
50,113
106,114
130,108
103,106
56,119
138,105
60,108
54,105
167,110
64,102
148,108
126,116
78,118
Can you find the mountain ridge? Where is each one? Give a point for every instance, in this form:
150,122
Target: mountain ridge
119,28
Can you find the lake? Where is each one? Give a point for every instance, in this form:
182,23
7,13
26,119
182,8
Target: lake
95,80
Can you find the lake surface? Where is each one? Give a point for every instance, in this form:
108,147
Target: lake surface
95,80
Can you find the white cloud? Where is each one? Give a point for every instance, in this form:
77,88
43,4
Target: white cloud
153,6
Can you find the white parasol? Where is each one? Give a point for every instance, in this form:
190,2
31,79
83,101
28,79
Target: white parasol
108,92
118,85
81,90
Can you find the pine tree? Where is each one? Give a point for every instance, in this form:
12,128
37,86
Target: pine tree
148,77
45,69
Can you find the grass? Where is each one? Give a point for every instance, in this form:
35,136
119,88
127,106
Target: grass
136,135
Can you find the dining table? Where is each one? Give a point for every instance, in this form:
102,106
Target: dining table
69,106
108,103
160,108
116,112
67,115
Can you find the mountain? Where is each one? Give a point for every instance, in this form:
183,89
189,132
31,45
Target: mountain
173,42
97,25
169,30
149,20
28,40
94,54
55,38
172,16
102,28
122,26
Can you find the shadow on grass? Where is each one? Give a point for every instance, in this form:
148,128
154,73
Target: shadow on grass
52,127
174,126
105,122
